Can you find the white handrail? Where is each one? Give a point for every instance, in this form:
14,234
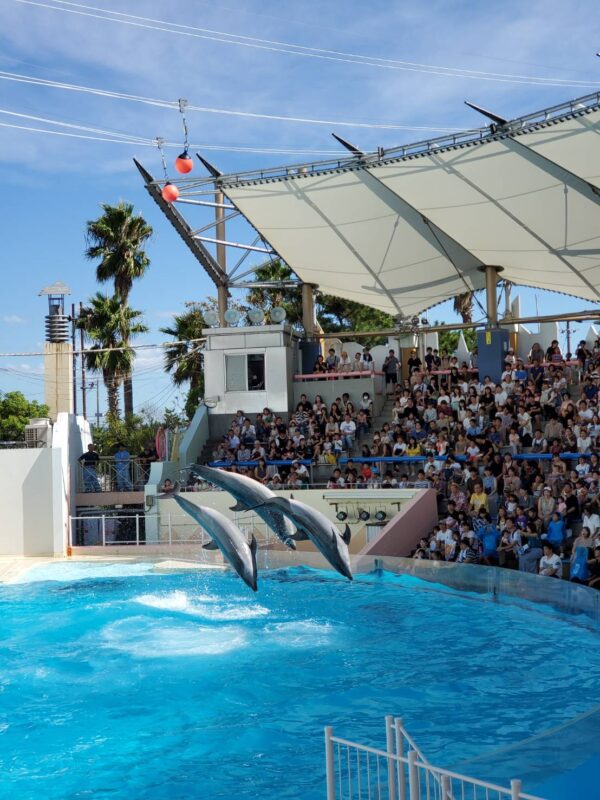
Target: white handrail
413,765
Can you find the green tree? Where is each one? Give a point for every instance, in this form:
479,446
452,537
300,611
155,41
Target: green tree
15,412
109,326
184,359
116,241
334,314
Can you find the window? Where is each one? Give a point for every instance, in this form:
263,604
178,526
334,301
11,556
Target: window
245,373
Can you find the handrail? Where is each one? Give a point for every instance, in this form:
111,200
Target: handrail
414,762
334,375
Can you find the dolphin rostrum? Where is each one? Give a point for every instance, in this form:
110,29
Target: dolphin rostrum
226,536
315,526
250,494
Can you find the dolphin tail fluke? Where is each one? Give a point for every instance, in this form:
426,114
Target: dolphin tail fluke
239,506
347,534
253,549
210,545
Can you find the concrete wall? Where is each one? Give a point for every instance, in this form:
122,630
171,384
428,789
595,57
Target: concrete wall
330,389
194,438
416,518
33,518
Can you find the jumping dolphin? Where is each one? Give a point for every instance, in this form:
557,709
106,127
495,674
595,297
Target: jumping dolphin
314,525
249,495
226,536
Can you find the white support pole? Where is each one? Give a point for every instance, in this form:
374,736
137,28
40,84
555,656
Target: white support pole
413,775
515,789
137,530
103,530
329,763
446,788
389,746
401,776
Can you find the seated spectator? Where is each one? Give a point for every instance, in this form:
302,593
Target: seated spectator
550,563
467,555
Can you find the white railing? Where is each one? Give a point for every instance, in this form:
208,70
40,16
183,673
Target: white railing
108,530
401,772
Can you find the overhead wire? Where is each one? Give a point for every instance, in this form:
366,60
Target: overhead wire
172,104
108,15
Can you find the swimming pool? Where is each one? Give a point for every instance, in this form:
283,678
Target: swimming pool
119,683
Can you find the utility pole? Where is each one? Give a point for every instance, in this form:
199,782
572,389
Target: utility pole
84,387
74,359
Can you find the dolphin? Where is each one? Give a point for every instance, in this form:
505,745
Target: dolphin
314,525
226,536
250,494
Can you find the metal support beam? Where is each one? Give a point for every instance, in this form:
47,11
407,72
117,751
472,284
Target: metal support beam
222,298
308,309
491,282
239,245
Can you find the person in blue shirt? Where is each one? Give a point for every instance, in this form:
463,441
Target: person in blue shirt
122,462
489,536
556,530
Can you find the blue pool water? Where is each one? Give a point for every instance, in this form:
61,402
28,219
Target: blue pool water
152,686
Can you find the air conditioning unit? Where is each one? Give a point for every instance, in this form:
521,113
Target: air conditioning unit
38,433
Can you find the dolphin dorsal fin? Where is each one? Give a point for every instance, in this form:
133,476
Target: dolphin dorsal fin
347,534
291,496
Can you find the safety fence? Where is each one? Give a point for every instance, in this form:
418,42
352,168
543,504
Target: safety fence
138,529
401,772
113,475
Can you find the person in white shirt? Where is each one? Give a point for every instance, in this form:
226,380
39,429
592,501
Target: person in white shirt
584,441
550,563
348,431
590,520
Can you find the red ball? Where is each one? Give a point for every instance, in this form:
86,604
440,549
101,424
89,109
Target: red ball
184,163
170,192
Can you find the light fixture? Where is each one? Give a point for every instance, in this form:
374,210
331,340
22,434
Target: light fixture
211,402
256,316
211,317
380,515
232,316
341,516
277,314
364,515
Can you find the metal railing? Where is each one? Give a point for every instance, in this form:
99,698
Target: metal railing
108,530
110,475
401,772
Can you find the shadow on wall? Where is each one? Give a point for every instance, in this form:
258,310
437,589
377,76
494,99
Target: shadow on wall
401,535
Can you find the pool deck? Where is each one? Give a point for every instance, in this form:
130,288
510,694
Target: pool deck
13,567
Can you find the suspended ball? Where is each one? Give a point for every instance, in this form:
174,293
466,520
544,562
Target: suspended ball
184,163
170,192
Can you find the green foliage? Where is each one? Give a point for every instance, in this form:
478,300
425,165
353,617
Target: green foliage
184,359
135,434
109,326
334,314
15,413
117,238
448,340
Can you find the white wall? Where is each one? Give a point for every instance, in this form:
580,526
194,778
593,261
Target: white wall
33,521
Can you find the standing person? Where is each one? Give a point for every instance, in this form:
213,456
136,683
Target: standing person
122,464
390,369
367,359
414,362
89,461
332,361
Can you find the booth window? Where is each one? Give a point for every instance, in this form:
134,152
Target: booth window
245,373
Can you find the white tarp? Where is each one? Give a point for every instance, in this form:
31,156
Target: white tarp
406,234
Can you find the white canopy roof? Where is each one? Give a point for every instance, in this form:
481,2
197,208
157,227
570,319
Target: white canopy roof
402,232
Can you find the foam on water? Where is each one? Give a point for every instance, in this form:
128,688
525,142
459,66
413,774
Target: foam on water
203,606
142,637
67,571
301,633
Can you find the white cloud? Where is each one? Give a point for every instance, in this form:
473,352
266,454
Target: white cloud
13,319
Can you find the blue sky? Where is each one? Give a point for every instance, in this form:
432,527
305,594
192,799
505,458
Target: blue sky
52,184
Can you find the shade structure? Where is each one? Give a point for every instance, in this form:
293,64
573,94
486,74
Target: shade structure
402,232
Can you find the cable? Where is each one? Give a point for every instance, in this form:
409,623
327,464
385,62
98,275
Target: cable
150,143
43,82
292,49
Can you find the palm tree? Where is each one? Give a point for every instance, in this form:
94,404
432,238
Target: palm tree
463,305
184,359
117,239
109,327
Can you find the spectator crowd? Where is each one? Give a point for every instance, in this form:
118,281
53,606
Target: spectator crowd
513,463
